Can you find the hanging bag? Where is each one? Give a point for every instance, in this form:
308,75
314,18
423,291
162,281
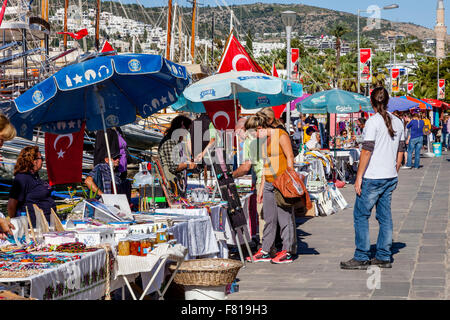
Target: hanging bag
289,189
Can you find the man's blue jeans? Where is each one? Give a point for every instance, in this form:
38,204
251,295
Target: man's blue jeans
374,192
414,145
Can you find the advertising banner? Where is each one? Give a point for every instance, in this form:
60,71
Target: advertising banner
395,80
365,65
441,95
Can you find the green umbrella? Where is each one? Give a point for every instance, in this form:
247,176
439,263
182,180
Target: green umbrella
335,101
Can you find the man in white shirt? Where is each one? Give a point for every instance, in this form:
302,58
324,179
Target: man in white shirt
376,179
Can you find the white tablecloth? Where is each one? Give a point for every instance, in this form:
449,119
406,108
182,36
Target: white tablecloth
147,266
83,279
352,154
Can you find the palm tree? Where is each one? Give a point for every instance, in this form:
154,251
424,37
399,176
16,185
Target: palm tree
338,31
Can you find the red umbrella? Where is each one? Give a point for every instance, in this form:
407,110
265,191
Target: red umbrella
434,102
422,104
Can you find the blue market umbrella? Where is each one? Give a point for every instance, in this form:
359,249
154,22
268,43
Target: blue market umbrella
253,90
106,91
122,86
335,101
400,104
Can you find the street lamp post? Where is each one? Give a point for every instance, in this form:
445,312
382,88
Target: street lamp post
392,6
288,18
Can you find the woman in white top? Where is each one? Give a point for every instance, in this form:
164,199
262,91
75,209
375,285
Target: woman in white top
376,179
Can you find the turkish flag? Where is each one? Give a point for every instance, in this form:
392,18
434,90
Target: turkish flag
221,114
236,58
77,35
277,109
410,86
441,83
107,47
64,156
395,73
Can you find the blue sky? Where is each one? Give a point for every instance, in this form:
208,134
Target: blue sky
422,12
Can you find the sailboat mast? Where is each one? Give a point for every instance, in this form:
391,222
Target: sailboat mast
180,36
97,27
44,16
172,37
194,11
169,30
66,6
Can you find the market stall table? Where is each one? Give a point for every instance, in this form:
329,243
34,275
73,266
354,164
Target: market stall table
151,268
224,233
83,277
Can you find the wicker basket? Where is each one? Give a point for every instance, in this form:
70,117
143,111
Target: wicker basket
207,272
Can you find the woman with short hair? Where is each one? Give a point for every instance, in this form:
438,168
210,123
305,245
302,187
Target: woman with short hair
278,156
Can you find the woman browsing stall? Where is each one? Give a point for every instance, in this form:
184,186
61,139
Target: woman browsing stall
173,155
278,156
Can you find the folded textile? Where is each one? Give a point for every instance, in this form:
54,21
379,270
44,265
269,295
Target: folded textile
202,240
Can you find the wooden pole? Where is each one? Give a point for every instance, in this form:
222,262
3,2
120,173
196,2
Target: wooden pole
31,226
66,6
169,30
97,27
194,11
58,225
44,15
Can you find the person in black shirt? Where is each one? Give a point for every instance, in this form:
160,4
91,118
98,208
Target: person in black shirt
311,120
28,188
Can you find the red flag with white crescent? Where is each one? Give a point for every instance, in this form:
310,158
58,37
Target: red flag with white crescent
80,34
236,58
64,156
221,114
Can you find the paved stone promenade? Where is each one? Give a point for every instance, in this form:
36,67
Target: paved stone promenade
421,242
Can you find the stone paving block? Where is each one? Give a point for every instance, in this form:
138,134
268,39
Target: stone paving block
440,235
393,289
428,282
426,295
431,258
381,297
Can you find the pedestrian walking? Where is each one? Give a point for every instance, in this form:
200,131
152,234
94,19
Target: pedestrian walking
415,140
445,133
376,179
